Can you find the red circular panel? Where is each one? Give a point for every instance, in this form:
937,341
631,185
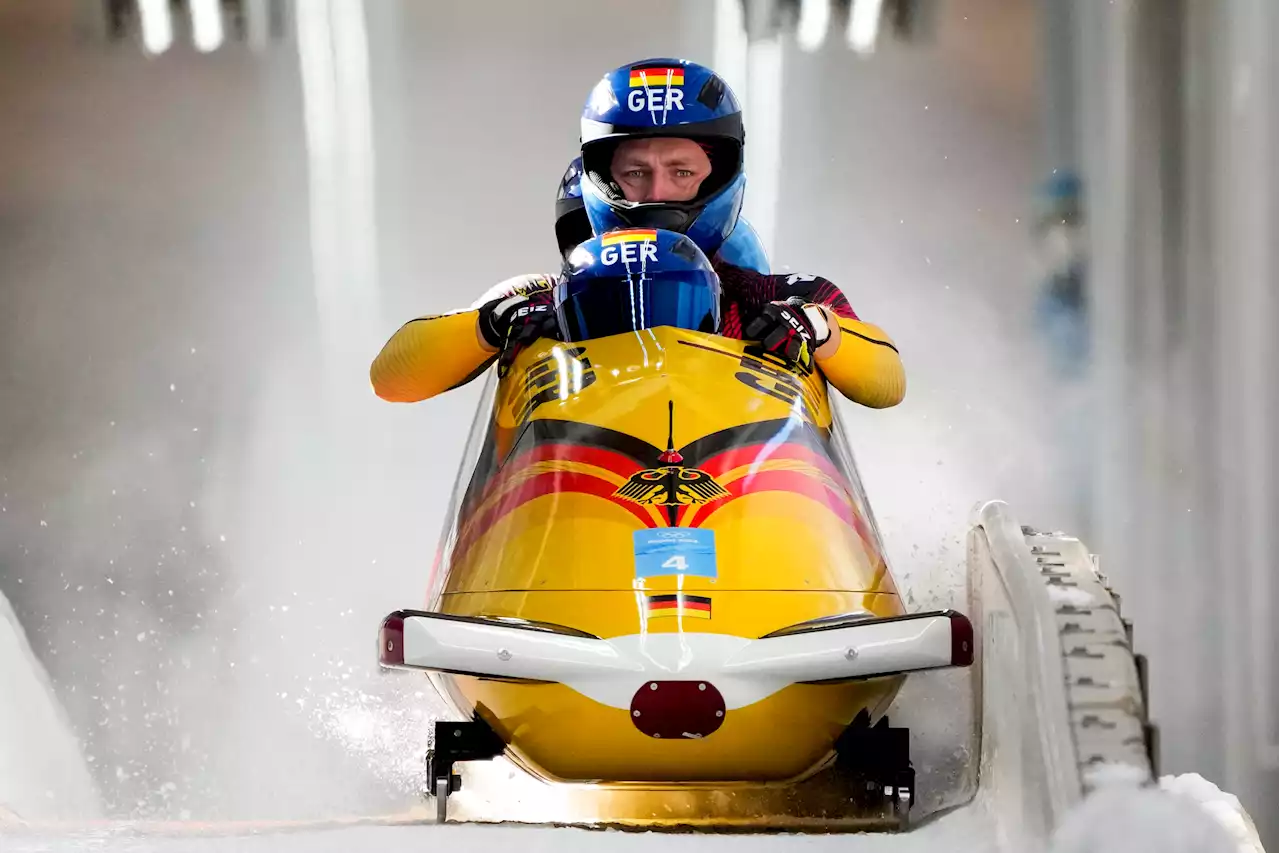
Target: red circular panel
677,709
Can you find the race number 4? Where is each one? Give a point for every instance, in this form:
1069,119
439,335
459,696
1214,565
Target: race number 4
678,551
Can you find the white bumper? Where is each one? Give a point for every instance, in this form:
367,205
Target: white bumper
611,671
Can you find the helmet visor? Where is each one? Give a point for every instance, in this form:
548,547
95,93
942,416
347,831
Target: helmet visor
590,308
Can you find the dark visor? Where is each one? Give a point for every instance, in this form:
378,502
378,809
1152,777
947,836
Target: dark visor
599,307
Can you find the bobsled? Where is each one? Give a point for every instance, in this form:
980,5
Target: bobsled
662,574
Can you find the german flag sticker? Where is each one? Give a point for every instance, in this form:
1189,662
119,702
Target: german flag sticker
633,235
679,604
656,76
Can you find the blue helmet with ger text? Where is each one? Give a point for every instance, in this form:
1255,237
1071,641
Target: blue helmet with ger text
635,279
665,98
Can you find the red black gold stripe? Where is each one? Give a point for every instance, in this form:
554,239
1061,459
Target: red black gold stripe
656,77
634,235
679,604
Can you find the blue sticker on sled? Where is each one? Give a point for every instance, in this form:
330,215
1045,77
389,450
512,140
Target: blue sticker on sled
675,551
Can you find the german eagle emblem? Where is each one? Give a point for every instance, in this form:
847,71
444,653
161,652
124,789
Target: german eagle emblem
671,485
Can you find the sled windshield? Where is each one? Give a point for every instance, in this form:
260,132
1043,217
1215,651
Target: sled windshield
588,458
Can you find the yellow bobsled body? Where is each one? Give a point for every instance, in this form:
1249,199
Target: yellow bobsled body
591,461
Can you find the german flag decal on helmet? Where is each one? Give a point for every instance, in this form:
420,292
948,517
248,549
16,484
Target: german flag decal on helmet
633,235
656,75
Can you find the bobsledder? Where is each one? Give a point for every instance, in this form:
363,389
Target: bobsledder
662,586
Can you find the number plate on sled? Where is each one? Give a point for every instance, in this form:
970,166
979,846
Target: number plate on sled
675,551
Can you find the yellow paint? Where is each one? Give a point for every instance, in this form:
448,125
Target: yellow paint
567,557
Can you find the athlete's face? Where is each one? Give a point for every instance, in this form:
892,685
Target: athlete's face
660,169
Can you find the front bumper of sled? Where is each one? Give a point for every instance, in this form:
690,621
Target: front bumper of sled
611,671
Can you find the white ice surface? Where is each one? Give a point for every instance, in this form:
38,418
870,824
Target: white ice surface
964,830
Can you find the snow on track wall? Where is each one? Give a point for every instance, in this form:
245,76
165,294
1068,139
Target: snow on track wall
43,775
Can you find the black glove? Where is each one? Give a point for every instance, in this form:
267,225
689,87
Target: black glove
513,320
786,330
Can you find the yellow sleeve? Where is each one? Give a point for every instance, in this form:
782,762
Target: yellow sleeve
429,356
866,367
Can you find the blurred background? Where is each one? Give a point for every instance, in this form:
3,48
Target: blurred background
214,212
